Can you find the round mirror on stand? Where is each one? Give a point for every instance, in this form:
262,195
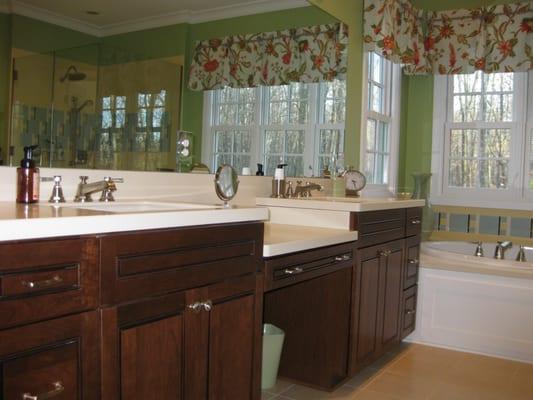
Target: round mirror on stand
226,183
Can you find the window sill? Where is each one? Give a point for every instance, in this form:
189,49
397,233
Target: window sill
520,205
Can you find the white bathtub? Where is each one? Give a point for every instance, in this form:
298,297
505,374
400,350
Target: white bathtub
473,304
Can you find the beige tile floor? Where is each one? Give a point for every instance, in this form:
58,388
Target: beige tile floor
416,372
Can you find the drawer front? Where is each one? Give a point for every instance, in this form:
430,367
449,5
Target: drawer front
413,221
376,227
46,279
55,359
287,270
412,261
142,264
408,318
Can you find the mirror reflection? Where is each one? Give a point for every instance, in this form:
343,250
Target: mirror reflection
121,101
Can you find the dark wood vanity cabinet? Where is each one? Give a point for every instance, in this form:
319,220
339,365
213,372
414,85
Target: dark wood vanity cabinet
308,296
146,315
384,282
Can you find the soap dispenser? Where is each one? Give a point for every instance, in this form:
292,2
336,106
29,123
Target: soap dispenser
279,183
28,178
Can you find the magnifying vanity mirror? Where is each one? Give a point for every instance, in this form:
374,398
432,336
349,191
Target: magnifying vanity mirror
226,183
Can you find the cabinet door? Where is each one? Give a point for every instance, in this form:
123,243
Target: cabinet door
197,344
391,288
366,315
56,359
377,299
315,317
143,349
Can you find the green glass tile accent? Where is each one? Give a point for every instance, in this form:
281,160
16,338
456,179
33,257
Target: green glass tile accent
489,225
458,223
521,227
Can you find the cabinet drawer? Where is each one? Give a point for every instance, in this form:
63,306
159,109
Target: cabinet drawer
46,279
376,227
143,264
287,270
412,261
55,359
413,221
408,319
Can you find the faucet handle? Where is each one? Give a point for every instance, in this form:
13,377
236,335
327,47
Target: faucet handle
84,179
57,191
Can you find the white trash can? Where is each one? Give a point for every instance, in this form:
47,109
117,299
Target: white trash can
273,338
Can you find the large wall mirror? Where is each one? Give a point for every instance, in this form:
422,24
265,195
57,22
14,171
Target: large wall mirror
120,100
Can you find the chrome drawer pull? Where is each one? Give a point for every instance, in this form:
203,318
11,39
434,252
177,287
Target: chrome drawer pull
416,222
293,271
201,306
344,257
409,312
56,279
207,305
412,261
58,389
384,253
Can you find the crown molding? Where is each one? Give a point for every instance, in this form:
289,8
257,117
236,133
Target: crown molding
26,10
195,17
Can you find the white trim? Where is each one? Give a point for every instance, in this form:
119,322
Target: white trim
41,14
155,21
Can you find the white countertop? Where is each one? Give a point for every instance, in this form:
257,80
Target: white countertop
352,204
283,239
18,222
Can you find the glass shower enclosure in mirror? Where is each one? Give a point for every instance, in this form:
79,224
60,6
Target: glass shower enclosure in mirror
85,113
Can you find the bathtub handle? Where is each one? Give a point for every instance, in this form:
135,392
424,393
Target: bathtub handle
412,261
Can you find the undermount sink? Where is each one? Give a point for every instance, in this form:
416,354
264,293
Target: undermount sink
142,206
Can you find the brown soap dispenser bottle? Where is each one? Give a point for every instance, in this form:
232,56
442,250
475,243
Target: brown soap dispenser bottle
28,178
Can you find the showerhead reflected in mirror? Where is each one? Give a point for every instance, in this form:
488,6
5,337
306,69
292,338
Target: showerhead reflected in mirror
226,183
73,75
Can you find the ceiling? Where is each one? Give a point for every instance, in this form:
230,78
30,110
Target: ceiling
117,16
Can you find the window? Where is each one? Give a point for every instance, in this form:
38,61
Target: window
481,127
301,125
112,129
150,121
381,122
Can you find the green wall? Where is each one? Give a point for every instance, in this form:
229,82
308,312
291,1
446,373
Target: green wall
5,66
351,12
192,111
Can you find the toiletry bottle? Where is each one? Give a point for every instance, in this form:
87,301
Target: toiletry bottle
28,178
260,170
278,183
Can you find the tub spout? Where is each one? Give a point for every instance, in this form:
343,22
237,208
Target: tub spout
479,250
501,247
521,256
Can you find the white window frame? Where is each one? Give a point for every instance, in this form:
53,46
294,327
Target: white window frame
517,195
311,128
392,99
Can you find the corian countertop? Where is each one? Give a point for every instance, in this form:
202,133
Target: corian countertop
351,204
284,239
42,220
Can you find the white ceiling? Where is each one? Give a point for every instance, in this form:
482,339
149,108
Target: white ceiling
118,16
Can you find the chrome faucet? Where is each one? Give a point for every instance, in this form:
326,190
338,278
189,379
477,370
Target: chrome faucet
479,250
501,247
106,186
521,256
305,191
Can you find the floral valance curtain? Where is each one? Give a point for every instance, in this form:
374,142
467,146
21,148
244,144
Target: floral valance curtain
492,39
310,54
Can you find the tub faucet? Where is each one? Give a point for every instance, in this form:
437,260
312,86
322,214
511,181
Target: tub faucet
521,256
501,247
479,250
